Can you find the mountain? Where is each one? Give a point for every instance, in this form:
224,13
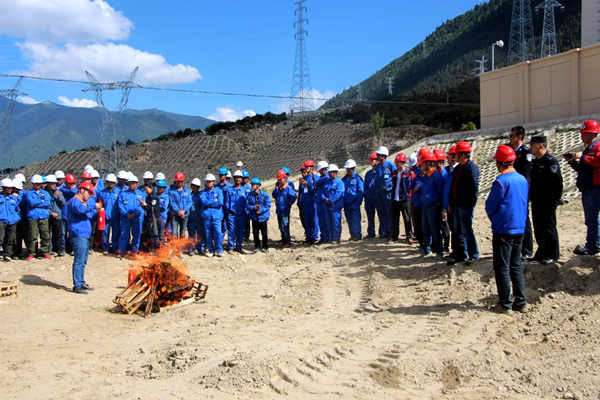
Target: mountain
39,131
453,48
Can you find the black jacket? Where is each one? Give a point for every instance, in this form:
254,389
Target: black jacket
152,214
546,180
468,185
523,162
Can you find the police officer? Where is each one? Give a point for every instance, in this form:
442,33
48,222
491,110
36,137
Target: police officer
545,192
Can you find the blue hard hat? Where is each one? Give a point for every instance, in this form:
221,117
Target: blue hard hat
245,174
223,171
44,178
256,181
286,170
161,183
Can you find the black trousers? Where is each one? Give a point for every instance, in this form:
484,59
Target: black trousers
8,234
94,223
544,227
56,235
260,227
445,229
453,237
404,208
527,248
417,217
22,227
247,229
507,269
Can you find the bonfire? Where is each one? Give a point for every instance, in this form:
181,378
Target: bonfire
160,280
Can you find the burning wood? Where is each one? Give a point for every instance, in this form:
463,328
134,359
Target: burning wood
162,281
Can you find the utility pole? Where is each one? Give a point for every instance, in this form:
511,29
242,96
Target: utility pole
359,91
521,46
390,83
549,32
301,100
481,63
5,140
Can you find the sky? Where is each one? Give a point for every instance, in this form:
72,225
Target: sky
210,45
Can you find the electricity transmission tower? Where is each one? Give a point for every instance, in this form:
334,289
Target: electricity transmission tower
112,156
521,46
549,33
359,91
481,68
390,83
301,100
5,141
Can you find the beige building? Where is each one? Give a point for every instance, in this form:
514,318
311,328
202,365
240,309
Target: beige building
562,86
590,22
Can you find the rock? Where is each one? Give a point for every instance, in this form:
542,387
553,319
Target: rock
507,352
568,396
552,296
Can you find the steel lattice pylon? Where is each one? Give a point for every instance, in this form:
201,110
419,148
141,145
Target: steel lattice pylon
301,100
549,33
112,155
5,141
521,46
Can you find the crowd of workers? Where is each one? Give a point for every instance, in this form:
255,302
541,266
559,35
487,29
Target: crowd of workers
434,192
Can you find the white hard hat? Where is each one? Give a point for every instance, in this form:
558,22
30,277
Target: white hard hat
238,173
148,175
322,165
20,177
129,175
228,174
37,179
412,160
160,176
196,182
333,168
59,175
111,178
95,174
133,178
51,179
88,168
7,182
122,175
239,164
17,184
383,151
350,164
209,177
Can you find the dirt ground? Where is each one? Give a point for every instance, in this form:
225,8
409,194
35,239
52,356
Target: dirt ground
357,321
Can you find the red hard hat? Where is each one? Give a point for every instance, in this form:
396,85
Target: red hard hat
70,178
452,150
427,156
87,186
590,126
400,157
373,156
439,155
463,147
281,174
309,163
423,149
86,175
179,177
505,153
302,167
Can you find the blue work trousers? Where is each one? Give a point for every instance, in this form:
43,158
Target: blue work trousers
311,222
130,228
370,206
235,230
353,217
432,234
334,224
384,204
591,209
214,234
322,219
111,235
463,229
283,220
196,231
80,247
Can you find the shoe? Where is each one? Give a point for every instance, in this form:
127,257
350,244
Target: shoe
256,250
241,251
90,252
446,250
384,236
119,256
524,309
286,246
105,253
336,242
87,287
356,239
30,257
209,254
47,256
79,290
425,255
230,251
456,261
7,258
439,256
322,242
280,246
264,250
584,251
499,308
449,256
219,254
61,253
392,241
547,262
410,240
370,237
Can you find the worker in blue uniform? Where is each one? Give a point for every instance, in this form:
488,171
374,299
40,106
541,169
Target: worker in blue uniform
258,206
132,217
285,197
235,204
307,189
194,225
333,195
384,191
371,195
321,181
211,201
109,197
354,191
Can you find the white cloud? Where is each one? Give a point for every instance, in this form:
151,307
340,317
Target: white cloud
27,100
229,114
82,103
284,106
62,21
107,62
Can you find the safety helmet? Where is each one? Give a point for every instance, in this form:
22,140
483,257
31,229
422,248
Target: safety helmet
350,164
238,173
228,174
505,154
245,174
590,126
322,165
333,168
111,178
239,164
412,160
133,178
439,155
70,178
383,151
373,156
196,182
179,177
44,178
86,175
17,184
423,149
59,175
309,163
7,182
286,170
161,183
209,177
223,171
123,175
37,179
281,174
20,177
95,174
87,186
148,175
256,181
51,179
463,147
88,168
303,167
400,157
452,150
160,177
427,156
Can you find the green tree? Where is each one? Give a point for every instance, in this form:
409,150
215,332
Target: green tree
378,120
469,126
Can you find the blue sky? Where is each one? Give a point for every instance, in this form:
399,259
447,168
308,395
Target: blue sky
233,46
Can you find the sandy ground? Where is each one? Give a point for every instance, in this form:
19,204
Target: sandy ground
332,322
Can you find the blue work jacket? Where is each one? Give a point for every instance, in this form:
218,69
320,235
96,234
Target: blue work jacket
371,184
211,202
38,204
110,202
284,199
321,182
432,190
307,193
129,204
506,205
195,209
180,200
235,200
384,177
261,199
78,217
10,212
334,191
354,191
